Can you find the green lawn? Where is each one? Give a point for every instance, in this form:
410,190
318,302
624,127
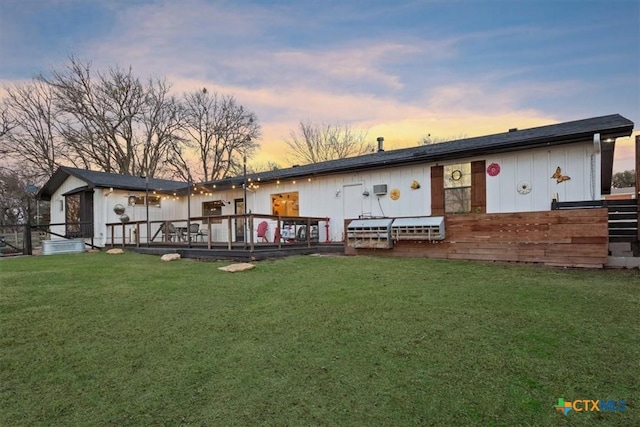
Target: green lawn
94,339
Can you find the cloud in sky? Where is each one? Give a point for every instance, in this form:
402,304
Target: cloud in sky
399,69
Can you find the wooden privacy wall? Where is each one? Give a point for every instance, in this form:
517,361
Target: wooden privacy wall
571,238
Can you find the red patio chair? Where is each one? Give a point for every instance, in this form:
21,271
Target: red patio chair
262,231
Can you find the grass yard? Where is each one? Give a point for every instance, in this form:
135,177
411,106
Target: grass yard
94,339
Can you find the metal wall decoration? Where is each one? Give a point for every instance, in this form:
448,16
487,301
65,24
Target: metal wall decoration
118,209
415,185
493,169
559,177
524,187
394,194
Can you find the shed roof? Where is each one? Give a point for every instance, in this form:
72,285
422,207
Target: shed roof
95,179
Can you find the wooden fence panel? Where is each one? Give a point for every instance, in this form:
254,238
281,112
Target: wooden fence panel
568,238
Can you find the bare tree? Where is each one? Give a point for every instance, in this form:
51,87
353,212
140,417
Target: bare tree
313,143
219,132
99,114
30,135
161,123
6,123
112,121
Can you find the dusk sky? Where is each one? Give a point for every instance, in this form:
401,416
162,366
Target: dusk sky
398,69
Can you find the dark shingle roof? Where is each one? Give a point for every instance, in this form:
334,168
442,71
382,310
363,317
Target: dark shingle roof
96,179
611,126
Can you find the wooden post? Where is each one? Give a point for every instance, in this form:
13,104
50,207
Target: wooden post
209,235
637,148
229,233
123,236
113,234
251,233
278,234
137,234
308,232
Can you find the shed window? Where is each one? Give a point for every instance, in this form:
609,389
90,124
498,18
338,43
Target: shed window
154,201
213,208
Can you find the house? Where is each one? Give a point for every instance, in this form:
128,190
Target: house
517,171
83,200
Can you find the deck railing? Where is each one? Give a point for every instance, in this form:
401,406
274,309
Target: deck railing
230,231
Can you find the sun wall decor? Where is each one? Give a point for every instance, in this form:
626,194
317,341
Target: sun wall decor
394,194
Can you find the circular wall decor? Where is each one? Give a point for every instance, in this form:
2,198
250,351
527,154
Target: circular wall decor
124,218
394,194
456,175
524,187
118,209
493,169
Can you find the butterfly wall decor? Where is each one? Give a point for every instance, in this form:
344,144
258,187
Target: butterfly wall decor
559,177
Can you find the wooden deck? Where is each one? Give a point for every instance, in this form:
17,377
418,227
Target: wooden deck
239,252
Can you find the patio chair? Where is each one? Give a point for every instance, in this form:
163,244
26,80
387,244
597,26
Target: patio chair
194,231
262,231
169,232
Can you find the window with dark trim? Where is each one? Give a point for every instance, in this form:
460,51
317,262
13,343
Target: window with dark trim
457,188
213,208
154,201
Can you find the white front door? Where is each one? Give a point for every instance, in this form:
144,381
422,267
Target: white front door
352,201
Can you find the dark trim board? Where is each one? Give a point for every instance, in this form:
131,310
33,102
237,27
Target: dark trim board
242,254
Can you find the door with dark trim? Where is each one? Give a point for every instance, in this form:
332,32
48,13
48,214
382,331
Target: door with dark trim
79,214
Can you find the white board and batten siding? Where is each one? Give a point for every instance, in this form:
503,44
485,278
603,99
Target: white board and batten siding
534,168
58,205
343,196
340,196
105,201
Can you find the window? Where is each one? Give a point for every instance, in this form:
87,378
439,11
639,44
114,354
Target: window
457,188
154,201
213,208
285,204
